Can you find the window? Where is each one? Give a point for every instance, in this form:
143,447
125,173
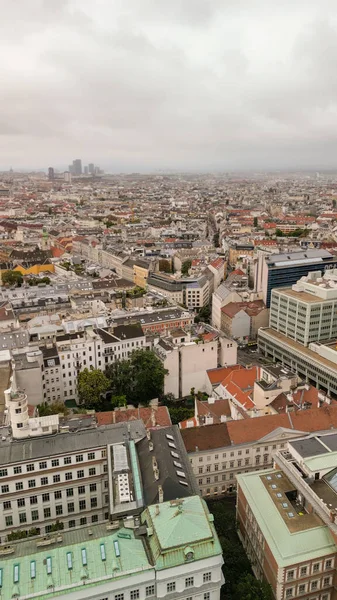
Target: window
80,474
43,464
19,486
81,489
314,585
326,581
91,455
7,505
290,575
67,460
207,577
55,462
58,495
93,487
315,567
189,581
44,480
79,458
94,518
93,502
46,513
69,492
22,518
59,509
45,497
303,571
71,507
9,521
134,594
17,470
30,468
328,563
119,597
207,596
56,478
289,593
92,471
171,587
68,476
82,504
71,524
33,499
4,489
35,515
149,591
3,472
31,483
21,502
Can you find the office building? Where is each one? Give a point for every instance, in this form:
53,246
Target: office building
306,312
77,167
170,551
303,329
283,270
91,168
288,519
51,174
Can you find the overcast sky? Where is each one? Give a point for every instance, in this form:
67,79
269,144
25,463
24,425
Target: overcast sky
150,84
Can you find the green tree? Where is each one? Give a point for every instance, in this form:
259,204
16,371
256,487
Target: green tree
91,386
140,379
334,203
216,239
118,401
185,267
52,409
255,222
180,413
165,266
12,278
203,315
250,588
279,233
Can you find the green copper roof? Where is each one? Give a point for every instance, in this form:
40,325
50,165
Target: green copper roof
323,461
66,565
287,547
178,527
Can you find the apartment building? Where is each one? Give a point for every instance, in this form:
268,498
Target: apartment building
157,321
306,312
73,472
287,519
220,452
170,550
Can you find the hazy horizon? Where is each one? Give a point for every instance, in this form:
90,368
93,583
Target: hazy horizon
148,85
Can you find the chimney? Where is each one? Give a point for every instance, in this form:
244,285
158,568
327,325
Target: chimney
160,494
157,510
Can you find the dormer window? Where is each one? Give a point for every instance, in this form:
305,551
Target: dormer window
189,553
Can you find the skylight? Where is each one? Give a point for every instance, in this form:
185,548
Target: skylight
172,445
181,474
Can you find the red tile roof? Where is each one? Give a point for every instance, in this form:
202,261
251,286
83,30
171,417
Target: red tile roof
156,417
216,376
250,430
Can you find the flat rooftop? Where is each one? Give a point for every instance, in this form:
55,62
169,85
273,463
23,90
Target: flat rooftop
292,539
302,296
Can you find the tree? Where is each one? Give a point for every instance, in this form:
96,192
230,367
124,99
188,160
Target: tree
334,203
185,267
279,233
91,386
203,315
139,379
255,222
216,239
52,409
165,266
118,401
12,278
180,413
252,589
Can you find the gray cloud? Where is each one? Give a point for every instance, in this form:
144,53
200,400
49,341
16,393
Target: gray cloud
182,84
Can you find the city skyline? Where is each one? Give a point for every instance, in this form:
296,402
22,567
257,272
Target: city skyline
205,86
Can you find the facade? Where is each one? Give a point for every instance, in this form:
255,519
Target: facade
171,550
287,519
282,270
187,362
220,453
307,311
